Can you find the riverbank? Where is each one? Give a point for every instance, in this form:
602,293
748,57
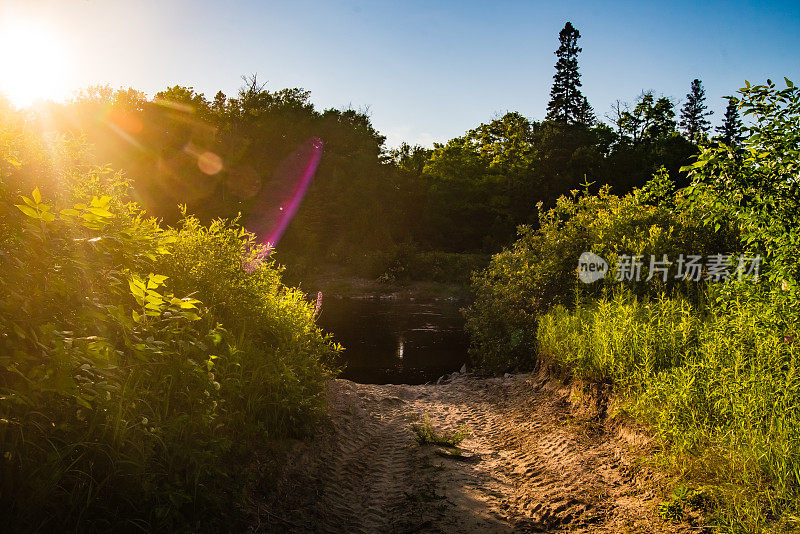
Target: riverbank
531,463
357,287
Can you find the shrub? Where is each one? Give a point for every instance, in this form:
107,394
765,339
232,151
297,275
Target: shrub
539,271
124,401
424,433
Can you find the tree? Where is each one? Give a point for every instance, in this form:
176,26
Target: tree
650,119
184,99
567,104
693,112
730,132
757,184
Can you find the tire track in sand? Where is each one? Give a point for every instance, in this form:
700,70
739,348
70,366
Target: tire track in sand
534,469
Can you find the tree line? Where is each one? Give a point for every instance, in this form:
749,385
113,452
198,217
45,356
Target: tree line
218,155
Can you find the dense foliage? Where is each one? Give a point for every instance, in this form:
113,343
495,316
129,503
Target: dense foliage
538,272
138,364
712,367
367,204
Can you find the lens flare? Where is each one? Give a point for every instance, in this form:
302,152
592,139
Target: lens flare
209,163
280,198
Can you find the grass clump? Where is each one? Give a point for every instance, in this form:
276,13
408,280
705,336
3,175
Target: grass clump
424,433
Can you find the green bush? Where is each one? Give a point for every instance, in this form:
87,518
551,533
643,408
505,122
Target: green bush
539,271
717,377
137,364
280,361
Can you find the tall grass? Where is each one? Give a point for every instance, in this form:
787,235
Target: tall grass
621,340
720,386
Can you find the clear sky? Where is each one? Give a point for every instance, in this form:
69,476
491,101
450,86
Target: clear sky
427,71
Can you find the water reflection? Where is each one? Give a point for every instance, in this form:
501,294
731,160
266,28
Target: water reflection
397,340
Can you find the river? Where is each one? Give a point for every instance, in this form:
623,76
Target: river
396,340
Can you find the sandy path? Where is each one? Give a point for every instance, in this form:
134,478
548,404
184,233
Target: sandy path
535,468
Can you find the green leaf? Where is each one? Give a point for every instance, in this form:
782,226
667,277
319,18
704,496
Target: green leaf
27,210
155,280
48,217
154,295
101,212
101,202
37,196
137,288
70,213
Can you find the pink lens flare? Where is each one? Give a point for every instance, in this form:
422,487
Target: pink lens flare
280,198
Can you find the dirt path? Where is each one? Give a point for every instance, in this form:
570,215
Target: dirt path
534,469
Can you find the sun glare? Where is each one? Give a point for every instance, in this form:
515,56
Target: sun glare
33,63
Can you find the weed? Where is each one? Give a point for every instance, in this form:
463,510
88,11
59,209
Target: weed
426,434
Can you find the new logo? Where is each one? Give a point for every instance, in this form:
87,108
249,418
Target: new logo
591,267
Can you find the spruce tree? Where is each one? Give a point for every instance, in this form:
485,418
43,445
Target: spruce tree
567,103
730,132
694,112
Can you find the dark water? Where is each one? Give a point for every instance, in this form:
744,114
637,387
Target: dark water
396,341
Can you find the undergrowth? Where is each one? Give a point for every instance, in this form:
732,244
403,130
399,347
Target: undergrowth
711,365
141,367
720,386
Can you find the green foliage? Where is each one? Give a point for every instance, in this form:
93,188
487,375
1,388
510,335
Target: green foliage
623,340
648,121
282,360
719,385
682,497
757,184
714,375
539,271
124,401
424,433
227,156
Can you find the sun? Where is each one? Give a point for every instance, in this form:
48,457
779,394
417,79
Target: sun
33,63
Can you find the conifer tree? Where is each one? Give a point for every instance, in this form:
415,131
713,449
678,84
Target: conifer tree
730,132
694,112
567,104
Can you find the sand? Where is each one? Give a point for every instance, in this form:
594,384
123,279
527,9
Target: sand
532,464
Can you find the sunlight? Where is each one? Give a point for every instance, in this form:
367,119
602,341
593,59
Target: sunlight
34,63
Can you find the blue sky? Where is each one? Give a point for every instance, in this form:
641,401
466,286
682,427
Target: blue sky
427,71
